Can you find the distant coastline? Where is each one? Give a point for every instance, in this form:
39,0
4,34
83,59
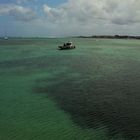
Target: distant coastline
112,37
93,36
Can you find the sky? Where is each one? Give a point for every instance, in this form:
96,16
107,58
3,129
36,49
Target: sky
57,18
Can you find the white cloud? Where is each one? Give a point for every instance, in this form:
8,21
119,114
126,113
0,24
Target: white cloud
17,11
117,12
77,17
94,16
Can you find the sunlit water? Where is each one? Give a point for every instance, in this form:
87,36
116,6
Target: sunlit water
88,93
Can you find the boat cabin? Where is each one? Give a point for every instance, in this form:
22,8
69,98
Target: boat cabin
67,45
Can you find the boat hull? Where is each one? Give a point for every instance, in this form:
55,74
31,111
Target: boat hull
66,47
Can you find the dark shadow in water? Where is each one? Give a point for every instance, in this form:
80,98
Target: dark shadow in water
99,98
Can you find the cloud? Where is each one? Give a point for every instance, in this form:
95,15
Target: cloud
123,12
83,11
17,11
76,17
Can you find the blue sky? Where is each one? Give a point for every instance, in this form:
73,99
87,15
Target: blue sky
13,27
69,17
39,2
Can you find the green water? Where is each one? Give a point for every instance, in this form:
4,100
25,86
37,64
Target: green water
88,93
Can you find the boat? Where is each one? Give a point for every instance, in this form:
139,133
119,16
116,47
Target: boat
68,45
6,38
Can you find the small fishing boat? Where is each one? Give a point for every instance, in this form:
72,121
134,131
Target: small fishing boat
6,38
66,46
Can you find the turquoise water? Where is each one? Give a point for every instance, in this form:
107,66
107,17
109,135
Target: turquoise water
91,92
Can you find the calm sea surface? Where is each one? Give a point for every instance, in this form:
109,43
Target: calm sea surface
88,93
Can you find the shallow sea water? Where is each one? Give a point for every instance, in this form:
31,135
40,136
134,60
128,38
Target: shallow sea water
88,93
